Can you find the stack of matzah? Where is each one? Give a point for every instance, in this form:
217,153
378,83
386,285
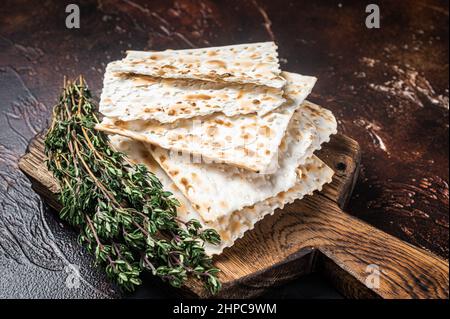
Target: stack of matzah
223,128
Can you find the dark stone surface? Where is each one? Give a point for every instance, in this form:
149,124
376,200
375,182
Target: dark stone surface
387,87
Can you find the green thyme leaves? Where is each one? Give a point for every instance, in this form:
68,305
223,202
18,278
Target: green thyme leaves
125,217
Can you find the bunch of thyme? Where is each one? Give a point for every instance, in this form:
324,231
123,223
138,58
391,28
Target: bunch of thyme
125,217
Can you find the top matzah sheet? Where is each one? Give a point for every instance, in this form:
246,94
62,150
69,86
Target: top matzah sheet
254,63
246,141
310,177
131,97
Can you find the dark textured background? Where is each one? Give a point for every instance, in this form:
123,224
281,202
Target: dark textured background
387,87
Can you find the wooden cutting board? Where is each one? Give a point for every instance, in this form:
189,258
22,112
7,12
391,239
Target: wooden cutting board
313,234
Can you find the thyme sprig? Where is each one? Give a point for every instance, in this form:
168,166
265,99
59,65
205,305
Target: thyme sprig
125,217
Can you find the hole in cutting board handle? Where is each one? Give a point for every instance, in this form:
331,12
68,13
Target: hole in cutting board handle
341,166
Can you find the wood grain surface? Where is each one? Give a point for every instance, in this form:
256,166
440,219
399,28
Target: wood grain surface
310,234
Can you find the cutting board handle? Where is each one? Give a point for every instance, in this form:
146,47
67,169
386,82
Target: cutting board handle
363,261
359,259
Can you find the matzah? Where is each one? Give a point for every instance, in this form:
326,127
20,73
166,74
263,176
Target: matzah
246,141
253,63
310,177
131,97
218,190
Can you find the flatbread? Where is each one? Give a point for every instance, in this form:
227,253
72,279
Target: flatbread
218,190
131,97
321,119
253,63
247,141
310,177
